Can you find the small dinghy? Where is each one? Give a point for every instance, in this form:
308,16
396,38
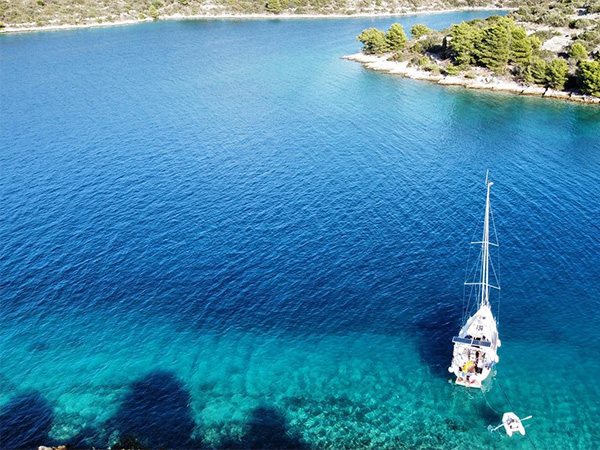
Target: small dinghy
512,424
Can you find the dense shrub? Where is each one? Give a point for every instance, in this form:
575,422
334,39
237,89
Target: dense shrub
427,64
373,40
153,12
556,73
589,77
273,6
544,35
396,38
592,7
555,19
580,23
578,51
589,39
419,30
535,71
451,70
535,42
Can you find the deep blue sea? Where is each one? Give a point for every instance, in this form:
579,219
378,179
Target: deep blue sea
219,234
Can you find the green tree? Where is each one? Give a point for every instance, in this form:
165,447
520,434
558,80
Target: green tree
536,71
452,69
493,51
589,77
535,42
395,37
463,39
153,12
373,40
273,6
419,30
520,45
578,51
556,73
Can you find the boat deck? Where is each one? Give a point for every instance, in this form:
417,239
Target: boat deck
462,382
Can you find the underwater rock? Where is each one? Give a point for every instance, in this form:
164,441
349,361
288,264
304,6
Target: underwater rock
454,426
128,442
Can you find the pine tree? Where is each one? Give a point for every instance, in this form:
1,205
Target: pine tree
536,71
493,51
589,76
520,46
578,51
463,39
419,30
396,38
556,73
373,40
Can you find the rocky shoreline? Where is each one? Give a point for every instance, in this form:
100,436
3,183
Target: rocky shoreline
481,79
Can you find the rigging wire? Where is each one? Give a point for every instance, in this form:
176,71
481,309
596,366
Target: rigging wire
488,403
496,274
471,272
512,407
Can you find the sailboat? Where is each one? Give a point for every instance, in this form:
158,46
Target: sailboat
476,346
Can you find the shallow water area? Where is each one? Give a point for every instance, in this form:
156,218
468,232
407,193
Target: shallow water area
219,233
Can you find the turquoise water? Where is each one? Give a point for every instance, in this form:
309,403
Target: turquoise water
220,234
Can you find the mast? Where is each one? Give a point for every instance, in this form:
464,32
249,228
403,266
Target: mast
485,248
484,294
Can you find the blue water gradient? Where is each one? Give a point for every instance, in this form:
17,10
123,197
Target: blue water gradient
220,234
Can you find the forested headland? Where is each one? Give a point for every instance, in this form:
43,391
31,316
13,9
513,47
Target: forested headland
554,45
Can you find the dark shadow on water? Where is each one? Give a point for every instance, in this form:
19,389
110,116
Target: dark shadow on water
434,336
267,430
25,422
156,413
87,438
489,416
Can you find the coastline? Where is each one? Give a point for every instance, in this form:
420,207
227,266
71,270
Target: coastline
483,79
227,16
